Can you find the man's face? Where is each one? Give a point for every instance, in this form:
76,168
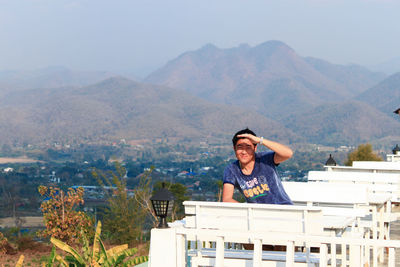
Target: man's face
245,150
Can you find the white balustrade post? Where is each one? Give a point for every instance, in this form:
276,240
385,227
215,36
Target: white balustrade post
290,254
344,254
180,251
333,254
257,253
323,255
392,257
375,256
163,248
219,252
355,255
381,232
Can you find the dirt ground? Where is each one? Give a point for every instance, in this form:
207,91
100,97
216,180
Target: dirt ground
32,257
40,253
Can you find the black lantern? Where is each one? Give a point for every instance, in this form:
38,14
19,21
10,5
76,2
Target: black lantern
330,161
162,202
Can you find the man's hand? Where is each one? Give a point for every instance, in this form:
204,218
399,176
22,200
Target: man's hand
254,139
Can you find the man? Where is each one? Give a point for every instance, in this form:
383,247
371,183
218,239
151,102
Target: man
254,174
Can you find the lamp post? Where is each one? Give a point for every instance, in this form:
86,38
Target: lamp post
162,201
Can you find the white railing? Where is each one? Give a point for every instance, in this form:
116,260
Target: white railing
378,165
228,225
375,182
352,252
377,169
178,249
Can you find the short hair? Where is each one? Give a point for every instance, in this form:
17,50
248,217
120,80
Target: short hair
244,131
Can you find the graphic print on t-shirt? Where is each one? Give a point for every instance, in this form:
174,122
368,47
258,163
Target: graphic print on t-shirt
255,187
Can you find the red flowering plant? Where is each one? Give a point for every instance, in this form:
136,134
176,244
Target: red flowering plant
61,217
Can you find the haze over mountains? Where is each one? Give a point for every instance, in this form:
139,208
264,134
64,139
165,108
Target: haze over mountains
389,67
49,77
207,93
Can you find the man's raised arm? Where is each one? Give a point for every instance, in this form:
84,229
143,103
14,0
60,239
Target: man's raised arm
282,152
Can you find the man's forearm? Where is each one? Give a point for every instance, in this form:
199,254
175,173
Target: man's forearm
227,193
278,148
282,152
229,200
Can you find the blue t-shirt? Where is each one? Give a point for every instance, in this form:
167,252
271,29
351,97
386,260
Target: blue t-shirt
262,185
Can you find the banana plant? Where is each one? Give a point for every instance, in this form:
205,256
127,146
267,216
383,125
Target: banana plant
97,255
20,261
54,260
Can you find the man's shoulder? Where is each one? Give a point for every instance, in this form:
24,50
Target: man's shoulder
266,157
265,154
232,165
230,173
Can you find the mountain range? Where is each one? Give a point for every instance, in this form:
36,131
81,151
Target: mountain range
205,94
323,102
270,77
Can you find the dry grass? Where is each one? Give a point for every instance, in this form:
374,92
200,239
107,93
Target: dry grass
4,160
28,222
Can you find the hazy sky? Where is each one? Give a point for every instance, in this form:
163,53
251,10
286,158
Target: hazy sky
140,35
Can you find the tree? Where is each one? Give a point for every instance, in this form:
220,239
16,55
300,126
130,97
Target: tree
143,193
362,153
61,218
123,218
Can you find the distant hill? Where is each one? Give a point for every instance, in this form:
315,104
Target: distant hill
384,96
354,78
350,122
270,78
120,108
50,77
389,67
